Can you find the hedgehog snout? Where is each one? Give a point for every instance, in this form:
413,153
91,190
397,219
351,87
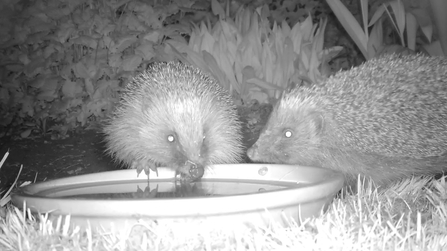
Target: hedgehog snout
192,170
196,171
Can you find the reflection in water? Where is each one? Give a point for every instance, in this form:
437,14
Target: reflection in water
168,189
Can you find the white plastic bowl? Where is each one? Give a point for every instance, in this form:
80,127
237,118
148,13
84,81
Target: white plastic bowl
253,193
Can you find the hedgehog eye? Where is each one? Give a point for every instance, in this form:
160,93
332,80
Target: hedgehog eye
288,133
171,138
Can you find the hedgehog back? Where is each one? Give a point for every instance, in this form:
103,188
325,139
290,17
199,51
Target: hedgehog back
394,106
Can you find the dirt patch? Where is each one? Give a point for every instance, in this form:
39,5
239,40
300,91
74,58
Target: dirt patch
43,158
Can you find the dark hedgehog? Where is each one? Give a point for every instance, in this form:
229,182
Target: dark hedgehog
386,119
176,116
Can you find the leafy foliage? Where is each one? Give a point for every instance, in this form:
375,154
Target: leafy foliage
63,63
394,26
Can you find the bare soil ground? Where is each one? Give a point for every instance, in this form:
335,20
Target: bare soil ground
43,158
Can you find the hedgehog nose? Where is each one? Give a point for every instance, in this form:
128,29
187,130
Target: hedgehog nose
195,171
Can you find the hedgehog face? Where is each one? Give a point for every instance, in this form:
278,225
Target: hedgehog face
289,139
188,135
181,149
188,158
174,115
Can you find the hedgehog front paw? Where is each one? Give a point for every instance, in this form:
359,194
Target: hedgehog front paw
144,165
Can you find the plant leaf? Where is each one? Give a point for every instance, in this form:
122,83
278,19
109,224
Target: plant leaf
399,13
423,18
412,27
350,24
131,62
375,40
217,9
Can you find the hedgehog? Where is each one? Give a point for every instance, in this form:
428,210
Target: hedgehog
176,116
384,120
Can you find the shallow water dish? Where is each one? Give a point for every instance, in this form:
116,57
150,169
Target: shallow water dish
255,193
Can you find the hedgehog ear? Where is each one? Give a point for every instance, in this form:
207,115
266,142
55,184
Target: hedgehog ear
317,121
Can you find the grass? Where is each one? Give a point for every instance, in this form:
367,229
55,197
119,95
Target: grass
411,215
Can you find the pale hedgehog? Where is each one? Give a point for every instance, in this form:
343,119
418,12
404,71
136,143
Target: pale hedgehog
386,119
174,115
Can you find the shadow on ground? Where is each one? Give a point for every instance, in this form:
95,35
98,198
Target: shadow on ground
43,158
